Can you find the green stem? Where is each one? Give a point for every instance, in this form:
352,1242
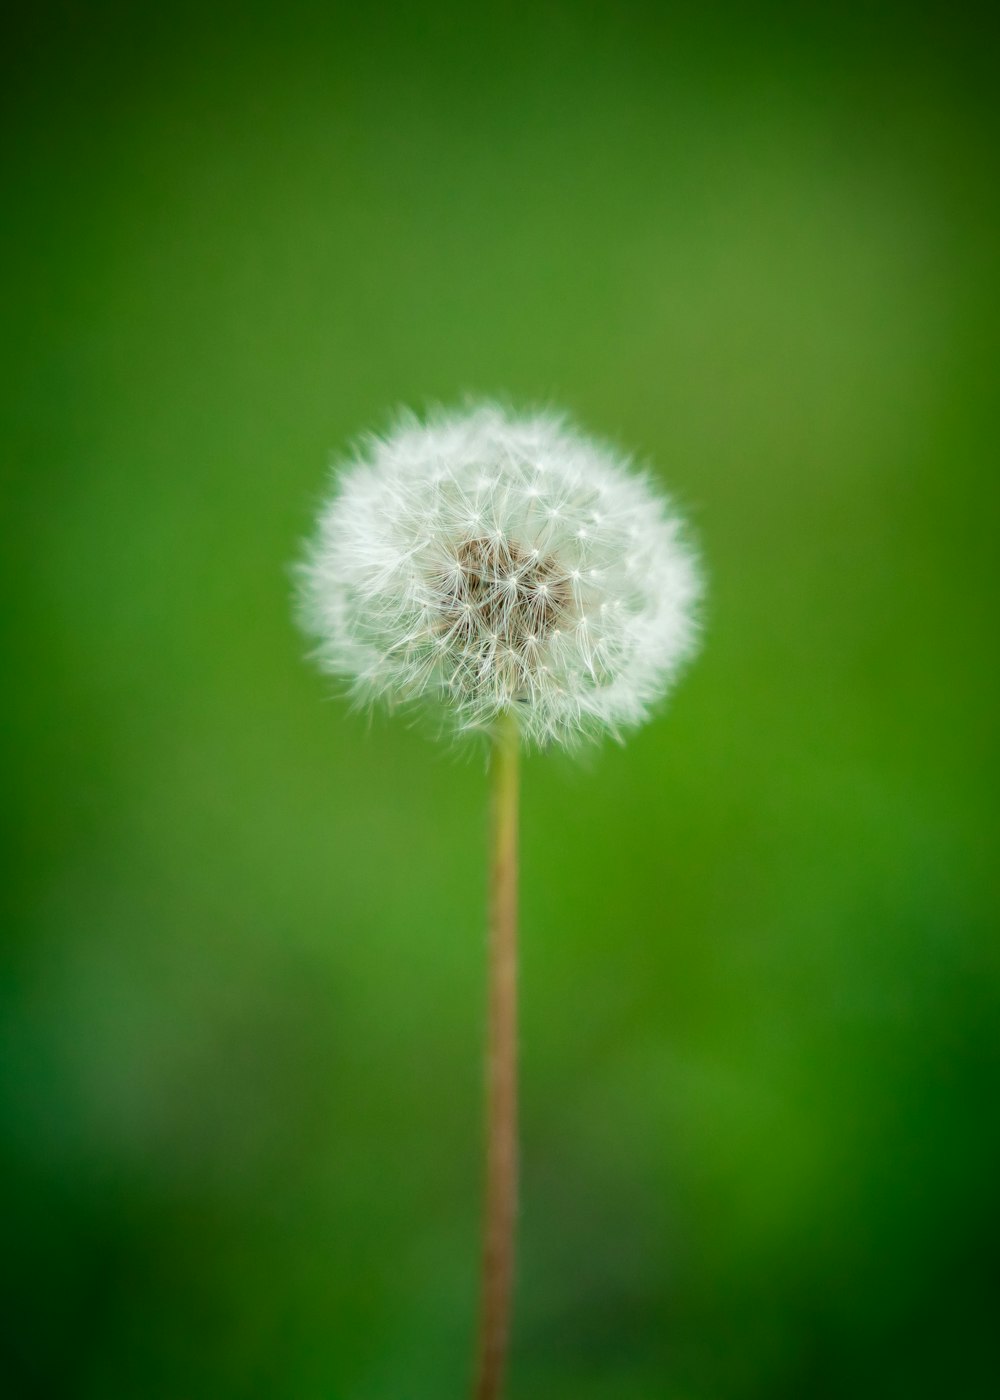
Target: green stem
500,1204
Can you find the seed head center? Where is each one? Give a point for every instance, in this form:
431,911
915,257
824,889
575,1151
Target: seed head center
505,596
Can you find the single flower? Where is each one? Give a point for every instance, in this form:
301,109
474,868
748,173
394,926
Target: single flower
518,577
483,562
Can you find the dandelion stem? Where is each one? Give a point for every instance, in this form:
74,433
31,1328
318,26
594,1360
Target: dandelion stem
501,1069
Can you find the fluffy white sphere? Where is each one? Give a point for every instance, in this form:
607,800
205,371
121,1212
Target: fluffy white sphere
484,561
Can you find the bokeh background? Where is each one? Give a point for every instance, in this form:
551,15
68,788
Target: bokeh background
242,999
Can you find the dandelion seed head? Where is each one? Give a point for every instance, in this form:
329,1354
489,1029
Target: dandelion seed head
481,561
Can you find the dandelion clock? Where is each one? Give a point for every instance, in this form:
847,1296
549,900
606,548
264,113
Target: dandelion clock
508,576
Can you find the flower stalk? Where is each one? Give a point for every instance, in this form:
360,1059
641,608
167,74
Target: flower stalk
500,1203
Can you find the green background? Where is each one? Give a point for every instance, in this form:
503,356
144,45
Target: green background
242,997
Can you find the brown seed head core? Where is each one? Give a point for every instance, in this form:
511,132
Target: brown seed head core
501,603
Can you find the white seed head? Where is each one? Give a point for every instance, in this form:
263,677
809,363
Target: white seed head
482,561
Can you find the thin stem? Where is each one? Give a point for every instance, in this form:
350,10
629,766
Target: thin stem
500,1205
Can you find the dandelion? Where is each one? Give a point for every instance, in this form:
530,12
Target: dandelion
509,576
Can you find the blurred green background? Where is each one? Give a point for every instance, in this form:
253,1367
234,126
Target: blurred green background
242,997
